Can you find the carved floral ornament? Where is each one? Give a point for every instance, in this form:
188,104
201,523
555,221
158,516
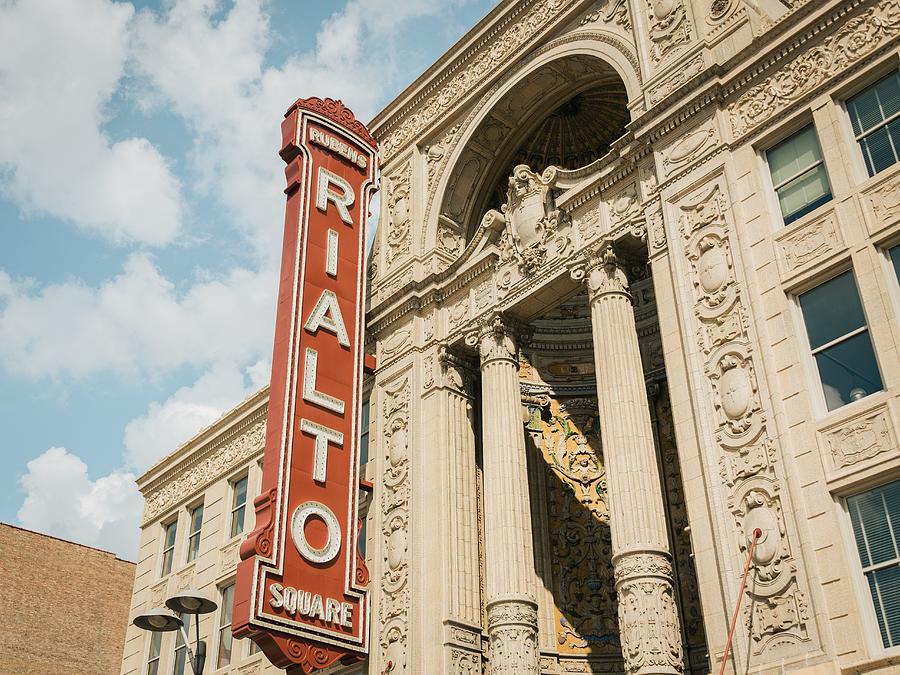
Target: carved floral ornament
395,603
481,66
855,39
228,456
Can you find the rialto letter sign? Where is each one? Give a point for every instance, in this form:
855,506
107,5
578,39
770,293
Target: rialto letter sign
301,582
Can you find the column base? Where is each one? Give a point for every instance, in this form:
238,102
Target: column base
648,618
512,628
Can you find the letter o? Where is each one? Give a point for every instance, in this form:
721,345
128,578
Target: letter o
298,522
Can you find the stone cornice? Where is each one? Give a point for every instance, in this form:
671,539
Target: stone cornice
206,441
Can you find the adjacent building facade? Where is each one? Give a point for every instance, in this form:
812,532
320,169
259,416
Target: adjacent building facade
634,303
63,606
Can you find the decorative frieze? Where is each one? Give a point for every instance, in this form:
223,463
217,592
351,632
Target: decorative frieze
670,27
860,438
809,244
394,599
229,456
689,147
855,39
611,12
399,204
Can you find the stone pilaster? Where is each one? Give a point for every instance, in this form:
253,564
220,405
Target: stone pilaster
511,607
648,618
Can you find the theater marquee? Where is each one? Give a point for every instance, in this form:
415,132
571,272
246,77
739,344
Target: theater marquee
301,582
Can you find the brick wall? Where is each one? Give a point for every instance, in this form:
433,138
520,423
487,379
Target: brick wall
63,606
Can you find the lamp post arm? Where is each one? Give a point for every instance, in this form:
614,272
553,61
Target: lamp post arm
187,646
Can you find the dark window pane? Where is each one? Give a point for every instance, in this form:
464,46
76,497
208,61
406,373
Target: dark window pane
237,521
889,94
856,518
848,371
879,612
887,605
170,534
864,110
878,540
895,258
180,662
240,493
878,150
832,310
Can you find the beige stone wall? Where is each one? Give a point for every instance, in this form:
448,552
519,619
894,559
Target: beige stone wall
63,606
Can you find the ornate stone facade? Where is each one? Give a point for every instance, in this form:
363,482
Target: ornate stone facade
594,382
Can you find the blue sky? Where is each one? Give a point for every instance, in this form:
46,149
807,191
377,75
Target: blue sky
140,220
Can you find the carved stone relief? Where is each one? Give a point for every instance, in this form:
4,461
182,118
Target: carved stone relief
221,461
610,12
855,39
776,615
393,632
810,244
861,438
503,47
398,212
883,203
689,147
670,83
533,229
670,27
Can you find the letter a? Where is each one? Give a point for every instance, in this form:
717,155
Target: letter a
327,314
324,194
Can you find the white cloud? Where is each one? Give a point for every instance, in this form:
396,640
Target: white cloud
136,323
211,71
63,501
167,425
60,63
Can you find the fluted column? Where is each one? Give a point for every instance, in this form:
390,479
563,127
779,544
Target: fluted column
511,607
648,618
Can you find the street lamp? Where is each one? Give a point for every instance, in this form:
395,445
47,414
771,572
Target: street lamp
170,618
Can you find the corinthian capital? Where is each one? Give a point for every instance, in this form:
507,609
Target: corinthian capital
603,273
497,337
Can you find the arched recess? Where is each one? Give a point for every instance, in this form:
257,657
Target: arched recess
574,74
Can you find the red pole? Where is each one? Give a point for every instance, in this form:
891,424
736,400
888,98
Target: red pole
757,533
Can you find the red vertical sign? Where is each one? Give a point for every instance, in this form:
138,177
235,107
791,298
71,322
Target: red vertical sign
300,591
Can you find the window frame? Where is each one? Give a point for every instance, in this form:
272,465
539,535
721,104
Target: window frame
181,647
794,129
166,524
813,376
871,81
219,626
865,606
232,484
191,533
150,660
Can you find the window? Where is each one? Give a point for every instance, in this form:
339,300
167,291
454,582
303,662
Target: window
875,116
798,174
364,433
875,516
180,664
193,547
238,505
168,546
153,656
840,341
895,259
225,640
